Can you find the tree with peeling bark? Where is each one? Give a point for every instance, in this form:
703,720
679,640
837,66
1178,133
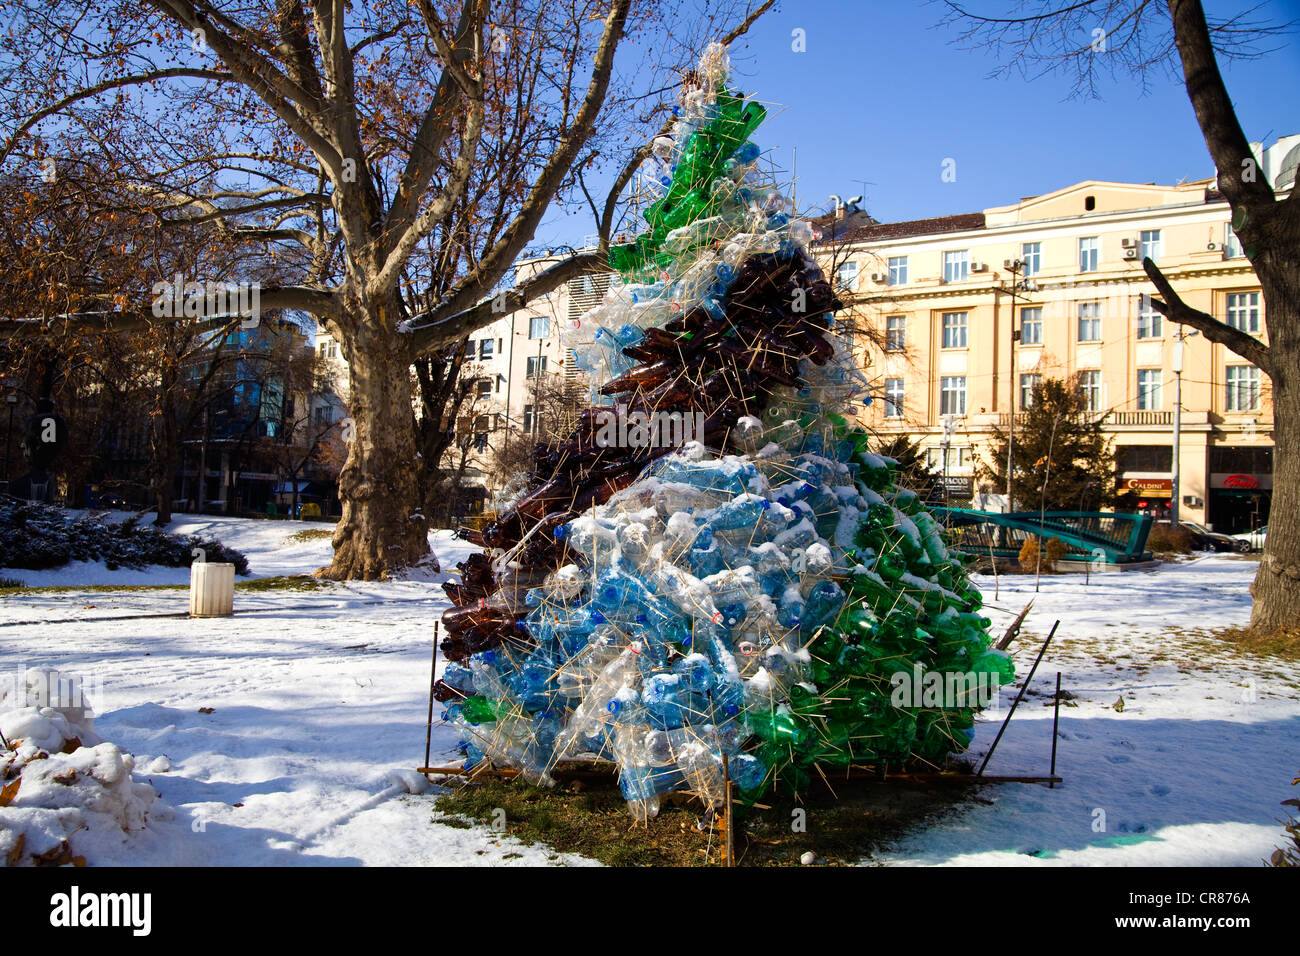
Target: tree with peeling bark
1138,35
399,156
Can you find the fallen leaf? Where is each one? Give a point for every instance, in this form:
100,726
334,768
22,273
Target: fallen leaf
9,791
59,856
11,858
236,804
72,745
1119,705
206,710
65,778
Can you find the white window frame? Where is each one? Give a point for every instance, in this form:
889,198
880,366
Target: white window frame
1090,386
955,386
1150,244
1093,318
534,365
533,327
1243,317
898,270
956,327
1031,257
1242,387
1035,322
1089,253
895,333
1150,324
956,265
895,396
846,276
1149,388
1028,381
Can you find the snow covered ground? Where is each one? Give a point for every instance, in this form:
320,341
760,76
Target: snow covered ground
319,699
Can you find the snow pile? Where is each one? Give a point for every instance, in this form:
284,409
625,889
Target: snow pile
62,785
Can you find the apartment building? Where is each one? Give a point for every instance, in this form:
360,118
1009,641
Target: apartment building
972,310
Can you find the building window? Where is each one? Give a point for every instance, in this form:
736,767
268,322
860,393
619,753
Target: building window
1027,385
1031,326
898,270
847,276
483,387
485,349
1090,388
952,395
480,441
1148,389
1231,244
1243,388
1243,311
1149,322
956,265
469,348
539,326
954,330
1089,321
1149,240
530,423
957,457
895,333
1031,257
535,363
1149,458
1089,254
893,398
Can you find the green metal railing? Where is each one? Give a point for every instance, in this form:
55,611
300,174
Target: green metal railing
1119,537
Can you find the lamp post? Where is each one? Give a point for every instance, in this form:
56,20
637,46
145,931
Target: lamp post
1017,285
1174,469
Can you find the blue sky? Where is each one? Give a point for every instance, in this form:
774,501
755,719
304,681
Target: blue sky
882,95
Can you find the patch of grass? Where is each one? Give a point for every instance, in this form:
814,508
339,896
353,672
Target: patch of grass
10,584
591,819
310,534
1284,642
60,588
283,582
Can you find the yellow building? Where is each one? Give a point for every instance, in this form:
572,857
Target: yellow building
939,294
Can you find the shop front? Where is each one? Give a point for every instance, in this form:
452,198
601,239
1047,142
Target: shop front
1241,487
1146,496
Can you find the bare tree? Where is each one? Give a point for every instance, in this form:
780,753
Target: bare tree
398,155
1141,35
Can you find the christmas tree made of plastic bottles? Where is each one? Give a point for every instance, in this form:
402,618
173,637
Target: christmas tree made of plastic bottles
755,597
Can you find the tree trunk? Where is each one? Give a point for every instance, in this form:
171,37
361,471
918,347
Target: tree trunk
382,528
1276,589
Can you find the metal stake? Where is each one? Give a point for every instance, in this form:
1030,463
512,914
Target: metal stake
1056,720
1011,713
433,679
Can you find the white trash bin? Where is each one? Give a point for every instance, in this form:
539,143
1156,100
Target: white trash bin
212,589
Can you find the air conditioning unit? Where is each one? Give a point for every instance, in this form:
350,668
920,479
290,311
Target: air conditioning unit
1130,253
1128,243
1009,264
979,267
881,277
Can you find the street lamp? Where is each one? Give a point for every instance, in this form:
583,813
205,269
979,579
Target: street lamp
1014,266
1174,471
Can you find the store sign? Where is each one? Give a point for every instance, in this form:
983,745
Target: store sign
1151,487
1241,482
957,485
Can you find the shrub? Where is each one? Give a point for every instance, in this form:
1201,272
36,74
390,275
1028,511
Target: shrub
1289,855
1030,554
36,536
1167,538
1054,551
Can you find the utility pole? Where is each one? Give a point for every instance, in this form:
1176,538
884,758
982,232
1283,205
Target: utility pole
1174,469
1014,265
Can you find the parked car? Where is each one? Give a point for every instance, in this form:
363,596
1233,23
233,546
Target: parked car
1254,540
1203,539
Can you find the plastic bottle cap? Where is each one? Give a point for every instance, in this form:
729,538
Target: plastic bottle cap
613,706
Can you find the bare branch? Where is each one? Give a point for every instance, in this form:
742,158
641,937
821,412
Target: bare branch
1176,310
